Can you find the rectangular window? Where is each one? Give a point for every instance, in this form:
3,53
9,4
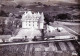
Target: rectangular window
29,24
33,24
37,24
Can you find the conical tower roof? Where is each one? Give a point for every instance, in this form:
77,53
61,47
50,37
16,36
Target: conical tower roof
29,13
42,17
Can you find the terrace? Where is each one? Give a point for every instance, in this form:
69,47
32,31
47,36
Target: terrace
56,48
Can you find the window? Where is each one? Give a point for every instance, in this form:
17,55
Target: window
33,24
37,24
29,24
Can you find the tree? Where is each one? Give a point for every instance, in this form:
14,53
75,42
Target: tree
17,23
39,3
3,13
3,27
48,18
63,16
18,6
19,16
76,16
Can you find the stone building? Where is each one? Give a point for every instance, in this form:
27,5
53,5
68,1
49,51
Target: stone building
32,20
32,24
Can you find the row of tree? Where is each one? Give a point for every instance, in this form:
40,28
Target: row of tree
8,26
60,17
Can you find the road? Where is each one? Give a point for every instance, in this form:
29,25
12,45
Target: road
32,42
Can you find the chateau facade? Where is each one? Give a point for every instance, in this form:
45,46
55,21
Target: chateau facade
32,20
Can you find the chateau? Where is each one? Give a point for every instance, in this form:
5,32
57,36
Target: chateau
32,20
32,23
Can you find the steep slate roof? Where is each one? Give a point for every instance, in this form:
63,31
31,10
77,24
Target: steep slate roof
36,16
